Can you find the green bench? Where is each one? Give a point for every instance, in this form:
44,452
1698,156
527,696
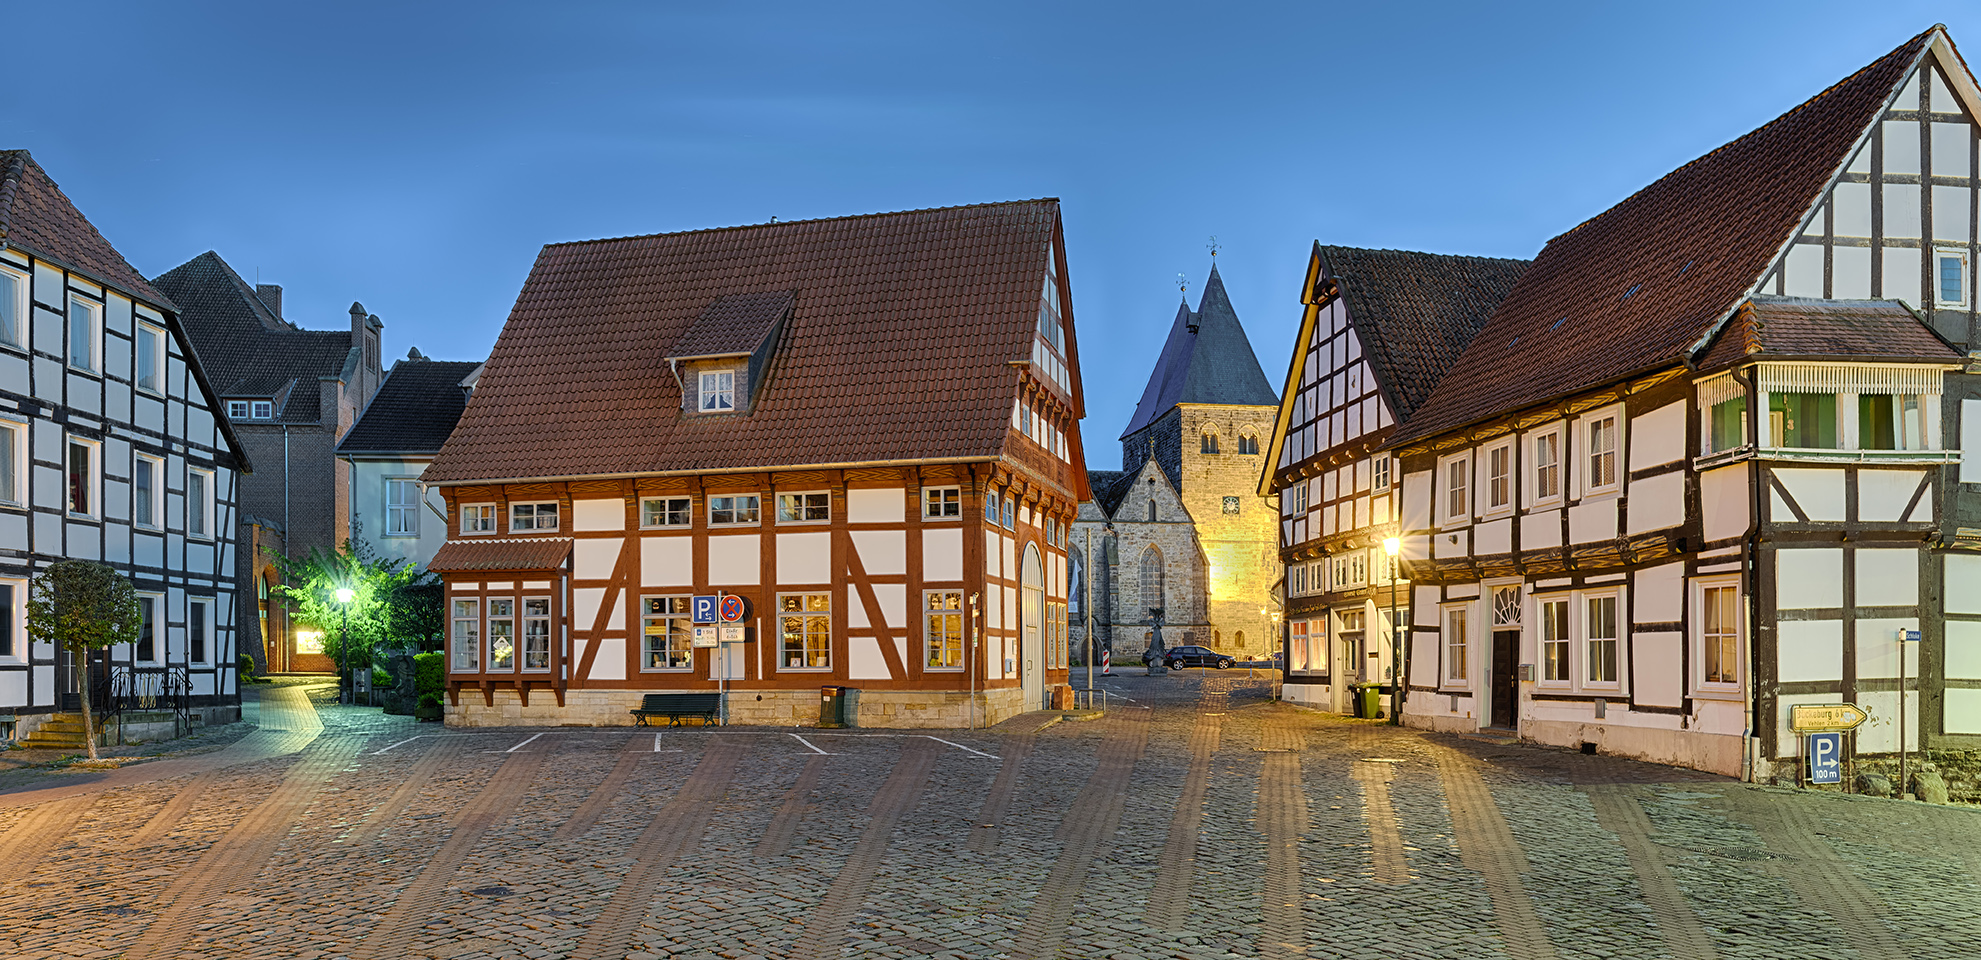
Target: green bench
677,707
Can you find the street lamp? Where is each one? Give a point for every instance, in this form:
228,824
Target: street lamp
1393,546
344,597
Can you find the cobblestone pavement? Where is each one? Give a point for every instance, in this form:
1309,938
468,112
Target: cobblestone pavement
1197,819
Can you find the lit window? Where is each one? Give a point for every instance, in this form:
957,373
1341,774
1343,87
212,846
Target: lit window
942,634
1554,640
667,634
536,633
150,373
942,502
466,638
666,511
13,307
1601,628
85,331
805,631
718,391
733,509
501,633
478,518
1720,629
804,507
402,507
525,517
1602,453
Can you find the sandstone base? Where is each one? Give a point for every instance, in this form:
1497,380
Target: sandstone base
776,708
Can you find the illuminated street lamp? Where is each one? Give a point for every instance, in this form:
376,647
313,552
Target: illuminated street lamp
1393,546
344,596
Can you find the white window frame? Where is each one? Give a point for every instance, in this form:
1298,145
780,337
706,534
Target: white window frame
1565,603
95,503
528,619
237,409
734,505
464,615
1966,279
1449,467
483,517
536,517
13,622
14,484
15,334
1586,453
667,513
157,629
1448,614
157,498
95,346
406,511
806,615
942,503
800,507
712,396
1534,466
1381,470
494,614
157,372
1300,498
261,410
1586,639
670,610
207,632
201,507
1487,508
930,611
1701,686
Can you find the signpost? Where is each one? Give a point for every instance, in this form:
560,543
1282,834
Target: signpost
1904,637
1814,717
1825,757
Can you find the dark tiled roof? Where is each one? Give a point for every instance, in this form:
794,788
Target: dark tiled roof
1794,328
37,217
1634,288
734,324
247,350
1415,313
900,346
1207,359
468,556
1108,487
414,409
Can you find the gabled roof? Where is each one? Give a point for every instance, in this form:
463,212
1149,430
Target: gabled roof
1207,359
248,350
1641,284
414,409
1108,487
733,325
1797,328
900,346
1415,313
37,217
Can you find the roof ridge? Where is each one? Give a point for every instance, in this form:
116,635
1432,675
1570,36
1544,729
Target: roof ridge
10,184
1423,253
781,223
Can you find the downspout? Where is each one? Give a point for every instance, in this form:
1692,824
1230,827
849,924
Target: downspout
1751,550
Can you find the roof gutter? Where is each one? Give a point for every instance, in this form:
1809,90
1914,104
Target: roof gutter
777,468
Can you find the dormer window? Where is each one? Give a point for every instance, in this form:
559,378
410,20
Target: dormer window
718,393
263,409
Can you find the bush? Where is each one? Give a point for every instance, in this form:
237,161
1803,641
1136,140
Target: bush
381,679
430,675
432,701
248,669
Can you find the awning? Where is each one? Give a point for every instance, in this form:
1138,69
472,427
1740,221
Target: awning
465,556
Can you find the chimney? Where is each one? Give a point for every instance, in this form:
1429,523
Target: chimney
271,297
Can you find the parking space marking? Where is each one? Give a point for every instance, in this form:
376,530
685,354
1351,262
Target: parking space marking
523,744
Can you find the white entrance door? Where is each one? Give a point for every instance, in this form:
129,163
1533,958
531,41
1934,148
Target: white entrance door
1032,613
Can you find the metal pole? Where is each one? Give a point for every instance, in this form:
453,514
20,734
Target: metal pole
1395,651
973,659
1903,784
1087,610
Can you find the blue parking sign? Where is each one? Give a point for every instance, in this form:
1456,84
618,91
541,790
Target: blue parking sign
705,608
1825,757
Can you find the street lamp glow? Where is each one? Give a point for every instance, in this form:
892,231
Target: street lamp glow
346,595
1391,545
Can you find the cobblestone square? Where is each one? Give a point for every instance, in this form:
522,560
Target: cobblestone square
1197,819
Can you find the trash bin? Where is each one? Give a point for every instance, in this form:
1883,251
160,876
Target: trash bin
832,706
1369,701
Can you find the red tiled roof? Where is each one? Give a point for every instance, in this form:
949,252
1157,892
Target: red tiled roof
1778,328
899,346
36,216
1632,289
733,325
469,556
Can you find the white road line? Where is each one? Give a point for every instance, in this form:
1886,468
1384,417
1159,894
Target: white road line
417,736
961,747
656,743
523,744
808,743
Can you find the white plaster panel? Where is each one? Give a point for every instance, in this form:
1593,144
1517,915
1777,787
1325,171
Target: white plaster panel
13,690
1951,206
1656,502
598,515
1887,578
1851,206
1850,269
883,505
1902,142
1882,495
893,598
13,373
1818,492
882,552
1426,604
1010,595
1458,543
942,555
1951,141
1806,578
584,606
83,543
1008,548
1494,537
1880,733
1878,648
1659,594
594,559
1963,586
1901,273
734,559
804,558
48,287
1657,668
1963,659
864,661
1541,530
856,609
1970,441
1809,650
667,561
1658,437
44,677
1802,270
1417,500
992,620
992,553
1417,547
1963,711
610,664
1590,522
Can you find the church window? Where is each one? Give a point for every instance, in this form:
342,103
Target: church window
1152,509
1152,575
1209,443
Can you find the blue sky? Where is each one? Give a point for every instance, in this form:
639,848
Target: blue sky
415,156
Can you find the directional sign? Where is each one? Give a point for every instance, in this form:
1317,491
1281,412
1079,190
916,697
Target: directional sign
732,608
707,636
1826,757
1809,717
704,608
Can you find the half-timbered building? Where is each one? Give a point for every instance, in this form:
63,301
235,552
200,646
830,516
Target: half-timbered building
865,428
1701,463
1378,330
111,450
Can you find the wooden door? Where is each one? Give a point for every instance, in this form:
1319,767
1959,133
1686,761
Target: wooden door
1506,679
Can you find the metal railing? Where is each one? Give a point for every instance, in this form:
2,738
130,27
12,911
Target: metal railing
156,690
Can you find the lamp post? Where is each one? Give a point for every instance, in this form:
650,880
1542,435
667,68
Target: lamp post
344,597
1392,546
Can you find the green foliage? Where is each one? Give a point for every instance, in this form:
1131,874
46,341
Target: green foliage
80,605
430,675
381,679
248,669
390,600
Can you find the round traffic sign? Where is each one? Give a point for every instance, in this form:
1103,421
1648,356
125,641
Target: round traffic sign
732,608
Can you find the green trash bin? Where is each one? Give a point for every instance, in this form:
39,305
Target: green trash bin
832,706
1369,701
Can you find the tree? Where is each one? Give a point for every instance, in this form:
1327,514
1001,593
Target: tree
390,599
79,606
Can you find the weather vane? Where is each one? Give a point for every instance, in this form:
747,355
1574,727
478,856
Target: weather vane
1183,285
1213,246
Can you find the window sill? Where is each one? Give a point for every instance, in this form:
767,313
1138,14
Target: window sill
804,523
1731,692
541,671
1858,456
804,669
663,528
747,523
663,670
939,669
477,533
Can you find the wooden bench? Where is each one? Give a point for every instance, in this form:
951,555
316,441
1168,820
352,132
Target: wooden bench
677,707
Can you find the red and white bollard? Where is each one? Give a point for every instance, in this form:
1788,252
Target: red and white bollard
1105,672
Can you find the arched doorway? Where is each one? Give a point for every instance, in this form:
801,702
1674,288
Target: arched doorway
1032,614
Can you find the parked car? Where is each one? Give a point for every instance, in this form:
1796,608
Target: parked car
1179,657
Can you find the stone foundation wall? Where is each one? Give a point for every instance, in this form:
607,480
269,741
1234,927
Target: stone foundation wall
776,708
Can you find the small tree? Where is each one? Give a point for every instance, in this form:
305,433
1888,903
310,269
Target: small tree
389,598
79,606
